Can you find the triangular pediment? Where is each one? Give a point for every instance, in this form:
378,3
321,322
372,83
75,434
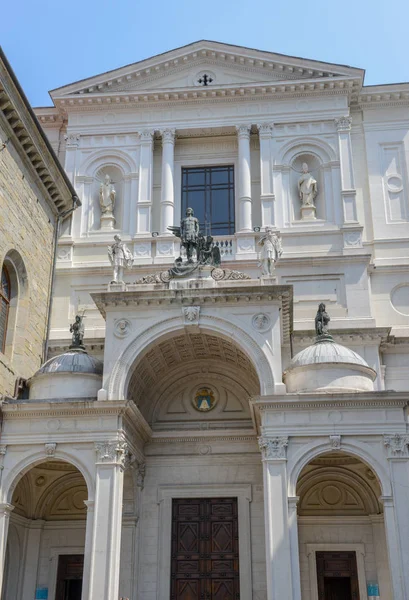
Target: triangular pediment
213,63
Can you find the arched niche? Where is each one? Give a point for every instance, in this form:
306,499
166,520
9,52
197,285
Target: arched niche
315,168
18,307
122,169
323,164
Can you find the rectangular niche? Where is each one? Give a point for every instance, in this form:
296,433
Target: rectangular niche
394,183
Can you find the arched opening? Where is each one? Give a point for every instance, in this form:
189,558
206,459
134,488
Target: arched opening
47,533
13,309
342,542
193,377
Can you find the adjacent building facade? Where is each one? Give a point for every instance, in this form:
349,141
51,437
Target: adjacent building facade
209,444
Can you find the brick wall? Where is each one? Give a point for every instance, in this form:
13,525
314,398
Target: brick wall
26,227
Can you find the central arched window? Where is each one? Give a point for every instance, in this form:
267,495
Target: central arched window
5,295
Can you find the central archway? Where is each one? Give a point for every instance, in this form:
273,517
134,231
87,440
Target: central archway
170,380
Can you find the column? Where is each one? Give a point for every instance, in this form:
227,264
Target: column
106,531
396,514
72,143
167,200
33,541
88,548
265,131
381,557
244,187
144,207
5,510
279,543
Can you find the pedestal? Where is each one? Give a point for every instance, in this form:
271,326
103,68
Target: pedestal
308,213
107,222
268,280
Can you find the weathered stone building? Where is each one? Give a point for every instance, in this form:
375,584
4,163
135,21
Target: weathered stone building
34,193
211,445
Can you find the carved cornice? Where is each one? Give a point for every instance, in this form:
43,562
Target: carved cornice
296,402
273,448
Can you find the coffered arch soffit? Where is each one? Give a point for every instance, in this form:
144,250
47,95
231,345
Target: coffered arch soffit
52,491
338,485
165,379
216,327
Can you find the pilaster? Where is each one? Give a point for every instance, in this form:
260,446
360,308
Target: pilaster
279,562
5,511
267,197
348,191
144,206
32,554
396,513
106,530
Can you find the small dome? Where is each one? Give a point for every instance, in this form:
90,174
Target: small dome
72,361
324,353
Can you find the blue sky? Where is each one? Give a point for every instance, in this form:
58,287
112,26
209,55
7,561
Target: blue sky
50,44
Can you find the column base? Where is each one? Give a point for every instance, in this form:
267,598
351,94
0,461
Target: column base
107,222
308,213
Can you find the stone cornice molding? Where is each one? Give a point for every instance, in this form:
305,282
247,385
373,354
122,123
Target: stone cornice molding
273,448
178,437
296,402
378,335
177,96
31,143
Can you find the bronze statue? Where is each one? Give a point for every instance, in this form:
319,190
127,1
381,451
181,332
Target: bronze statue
321,320
188,232
77,330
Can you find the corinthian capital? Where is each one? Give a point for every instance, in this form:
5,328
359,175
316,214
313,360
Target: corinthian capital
273,448
243,130
146,135
397,445
265,129
112,451
72,140
343,124
168,136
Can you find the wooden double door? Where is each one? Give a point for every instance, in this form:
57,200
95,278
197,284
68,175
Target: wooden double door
205,549
337,576
69,577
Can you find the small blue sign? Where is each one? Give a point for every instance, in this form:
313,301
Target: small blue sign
41,594
373,589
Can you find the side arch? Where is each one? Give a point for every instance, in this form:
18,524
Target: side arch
122,370
20,468
313,450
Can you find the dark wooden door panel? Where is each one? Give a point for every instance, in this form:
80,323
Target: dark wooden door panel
69,577
205,550
337,576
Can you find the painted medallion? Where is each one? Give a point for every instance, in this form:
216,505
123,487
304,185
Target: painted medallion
204,399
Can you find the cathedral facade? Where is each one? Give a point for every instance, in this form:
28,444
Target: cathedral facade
222,412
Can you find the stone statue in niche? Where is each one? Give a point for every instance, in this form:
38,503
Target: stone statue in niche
107,197
120,257
77,330
321,322
271,251
308,191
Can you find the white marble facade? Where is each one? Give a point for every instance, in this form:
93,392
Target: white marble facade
313,471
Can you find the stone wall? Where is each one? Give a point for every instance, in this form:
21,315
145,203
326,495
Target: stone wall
26,231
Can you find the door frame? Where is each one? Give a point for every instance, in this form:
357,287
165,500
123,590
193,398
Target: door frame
55,552
166,493
359,550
